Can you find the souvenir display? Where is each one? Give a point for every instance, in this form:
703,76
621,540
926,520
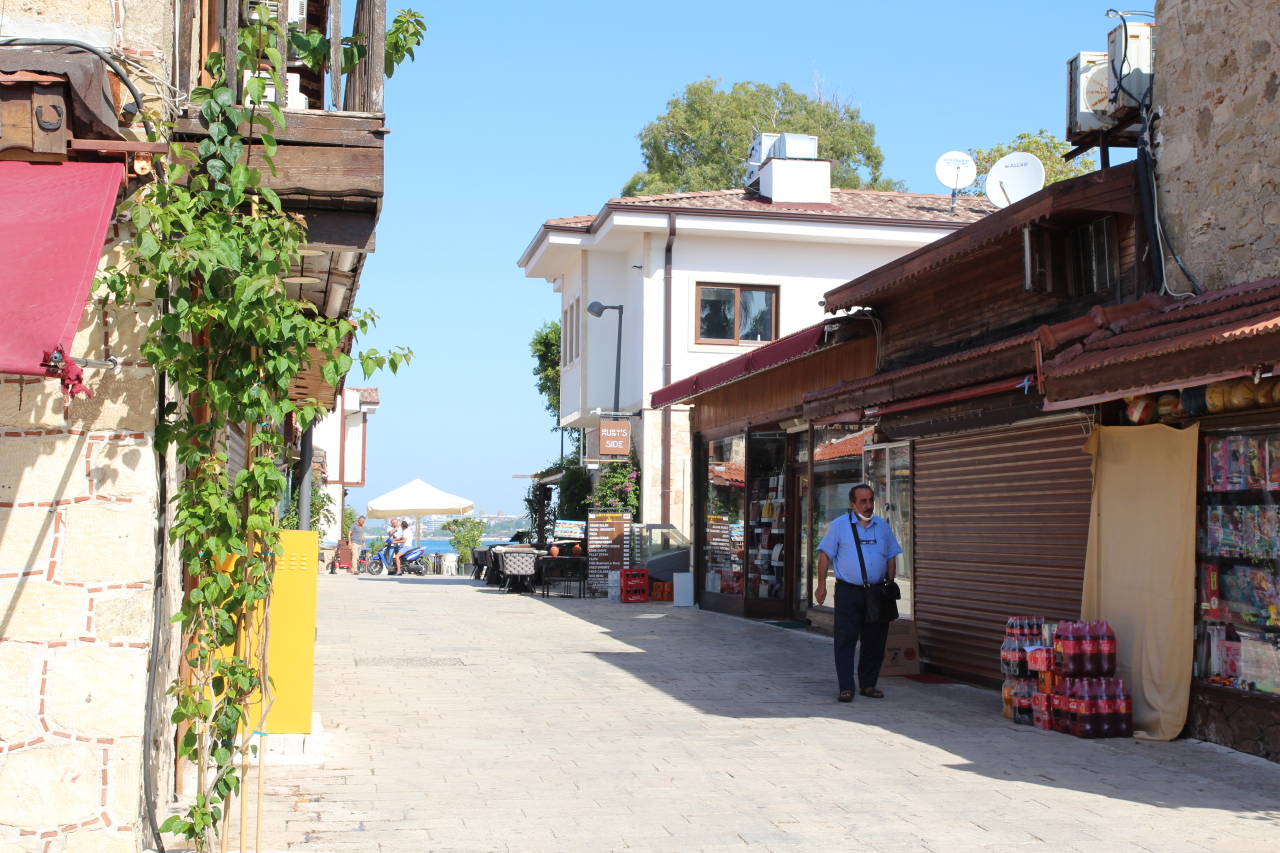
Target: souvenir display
1242,395
1238,570
1215,397
1140,409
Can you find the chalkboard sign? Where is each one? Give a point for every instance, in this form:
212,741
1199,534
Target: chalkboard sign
608,547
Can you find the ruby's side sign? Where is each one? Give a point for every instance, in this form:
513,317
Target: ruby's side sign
615,438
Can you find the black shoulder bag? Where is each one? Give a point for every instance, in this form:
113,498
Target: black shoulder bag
881,598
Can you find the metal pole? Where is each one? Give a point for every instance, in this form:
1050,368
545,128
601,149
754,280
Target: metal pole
304,489
617,370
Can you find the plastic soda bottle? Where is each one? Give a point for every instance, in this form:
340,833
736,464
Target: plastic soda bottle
1022,711
1107,708
1087,709
1073,707
1107,650
1124,710
1020,657
1059,648
1091,658
1008,655
1006,696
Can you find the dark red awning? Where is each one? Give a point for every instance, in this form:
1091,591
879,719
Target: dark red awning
53,222
771,355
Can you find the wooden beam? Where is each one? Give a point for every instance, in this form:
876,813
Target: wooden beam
308,127
321,170
114,145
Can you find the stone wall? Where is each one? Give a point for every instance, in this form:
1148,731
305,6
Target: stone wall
78,564
1248,723
1217,87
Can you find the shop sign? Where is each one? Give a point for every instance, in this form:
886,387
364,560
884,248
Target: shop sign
615,438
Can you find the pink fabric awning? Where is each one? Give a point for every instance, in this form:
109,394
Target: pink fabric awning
771,355
53,221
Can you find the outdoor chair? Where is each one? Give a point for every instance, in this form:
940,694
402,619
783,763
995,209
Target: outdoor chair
518,566
449,564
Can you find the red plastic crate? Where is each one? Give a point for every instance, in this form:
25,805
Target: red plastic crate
635,585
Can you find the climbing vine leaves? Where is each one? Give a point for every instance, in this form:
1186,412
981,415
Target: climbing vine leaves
213,244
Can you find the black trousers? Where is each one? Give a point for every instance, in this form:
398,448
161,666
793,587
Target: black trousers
852,628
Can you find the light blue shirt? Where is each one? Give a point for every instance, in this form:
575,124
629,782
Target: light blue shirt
879,546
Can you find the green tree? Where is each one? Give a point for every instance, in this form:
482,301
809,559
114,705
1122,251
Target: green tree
466,533
701,141
545,347
321,507
574,489
1047,148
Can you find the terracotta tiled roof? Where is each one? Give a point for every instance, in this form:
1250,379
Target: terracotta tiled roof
851,445
728,473
1234,313
571,221
872,204
367,395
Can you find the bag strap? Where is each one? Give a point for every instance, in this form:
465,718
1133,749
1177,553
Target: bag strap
857,540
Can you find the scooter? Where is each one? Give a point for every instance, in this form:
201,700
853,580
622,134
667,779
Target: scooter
413,561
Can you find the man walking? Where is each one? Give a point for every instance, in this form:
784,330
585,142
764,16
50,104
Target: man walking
879,559
355,538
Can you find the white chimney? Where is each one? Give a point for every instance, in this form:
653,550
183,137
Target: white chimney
785,168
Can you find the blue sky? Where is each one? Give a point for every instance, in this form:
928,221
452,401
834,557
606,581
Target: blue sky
518,112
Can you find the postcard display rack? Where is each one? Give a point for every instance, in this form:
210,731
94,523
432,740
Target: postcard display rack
766,512
1238,562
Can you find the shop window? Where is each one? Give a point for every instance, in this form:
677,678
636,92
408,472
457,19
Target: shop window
1093,261
732,314
723,551
766,515
837,467
1238,562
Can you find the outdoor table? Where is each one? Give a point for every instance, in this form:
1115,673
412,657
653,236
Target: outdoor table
563,569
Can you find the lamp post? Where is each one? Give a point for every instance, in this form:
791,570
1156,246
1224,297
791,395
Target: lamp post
595,309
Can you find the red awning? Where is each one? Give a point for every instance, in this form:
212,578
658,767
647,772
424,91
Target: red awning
53,222
770,355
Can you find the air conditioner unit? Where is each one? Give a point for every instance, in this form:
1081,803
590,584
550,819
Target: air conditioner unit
761,150
1087,95
290,13
1131,55
796,146
294,97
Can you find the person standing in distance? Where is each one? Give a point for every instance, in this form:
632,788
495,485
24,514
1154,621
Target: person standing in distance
880,549
355,538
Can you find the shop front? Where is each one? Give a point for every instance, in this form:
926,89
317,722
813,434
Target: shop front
1207,364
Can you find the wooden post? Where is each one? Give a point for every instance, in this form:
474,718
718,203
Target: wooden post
335,54
377,54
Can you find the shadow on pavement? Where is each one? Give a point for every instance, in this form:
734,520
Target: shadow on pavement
733,667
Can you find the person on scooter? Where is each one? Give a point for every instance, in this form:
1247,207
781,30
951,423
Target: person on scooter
401,543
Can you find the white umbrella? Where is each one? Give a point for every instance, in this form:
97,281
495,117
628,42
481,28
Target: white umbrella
417,499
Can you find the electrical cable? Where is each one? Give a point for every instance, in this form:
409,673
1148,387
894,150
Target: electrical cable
107,59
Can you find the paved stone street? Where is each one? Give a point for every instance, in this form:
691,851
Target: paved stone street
461,719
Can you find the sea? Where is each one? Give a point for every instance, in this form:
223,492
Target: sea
442,546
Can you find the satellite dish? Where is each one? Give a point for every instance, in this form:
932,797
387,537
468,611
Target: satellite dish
956,170
1014,177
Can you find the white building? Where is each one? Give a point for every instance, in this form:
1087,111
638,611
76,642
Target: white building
343,436
703,277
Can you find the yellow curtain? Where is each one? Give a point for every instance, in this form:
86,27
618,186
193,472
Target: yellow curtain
1140,568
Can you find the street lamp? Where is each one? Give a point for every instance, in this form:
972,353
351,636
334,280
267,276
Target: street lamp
595,309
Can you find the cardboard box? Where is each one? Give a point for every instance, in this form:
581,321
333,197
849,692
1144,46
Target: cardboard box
902,649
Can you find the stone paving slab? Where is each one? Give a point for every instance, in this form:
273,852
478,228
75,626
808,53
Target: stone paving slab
462,720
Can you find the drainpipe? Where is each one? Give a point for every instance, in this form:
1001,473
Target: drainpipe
666,368
304,488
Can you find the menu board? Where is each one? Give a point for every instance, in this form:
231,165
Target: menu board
608,547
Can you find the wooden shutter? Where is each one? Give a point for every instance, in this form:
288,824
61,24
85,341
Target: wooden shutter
1001,525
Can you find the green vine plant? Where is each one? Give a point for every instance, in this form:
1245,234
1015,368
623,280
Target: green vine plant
214,243
405,33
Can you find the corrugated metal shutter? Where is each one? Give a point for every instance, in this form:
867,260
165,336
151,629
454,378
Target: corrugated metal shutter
1001,525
